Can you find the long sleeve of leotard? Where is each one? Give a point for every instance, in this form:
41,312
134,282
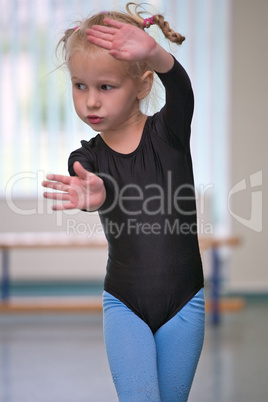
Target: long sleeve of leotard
178,110
85,156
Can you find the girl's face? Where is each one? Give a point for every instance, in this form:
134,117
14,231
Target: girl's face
105,97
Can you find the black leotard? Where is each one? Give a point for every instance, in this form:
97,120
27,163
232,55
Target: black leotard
149,215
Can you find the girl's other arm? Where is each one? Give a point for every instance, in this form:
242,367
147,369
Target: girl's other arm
85,191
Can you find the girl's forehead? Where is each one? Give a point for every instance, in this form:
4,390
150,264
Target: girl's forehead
97,61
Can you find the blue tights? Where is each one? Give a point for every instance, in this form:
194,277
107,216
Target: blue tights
156,367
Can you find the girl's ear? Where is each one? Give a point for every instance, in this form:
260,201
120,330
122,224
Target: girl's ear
146,83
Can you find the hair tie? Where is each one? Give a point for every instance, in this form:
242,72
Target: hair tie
75,28
150,20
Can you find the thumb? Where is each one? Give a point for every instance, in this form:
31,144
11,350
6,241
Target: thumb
80,170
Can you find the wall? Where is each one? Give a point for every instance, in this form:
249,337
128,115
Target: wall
249,143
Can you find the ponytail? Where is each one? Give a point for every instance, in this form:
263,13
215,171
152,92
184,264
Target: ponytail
158,20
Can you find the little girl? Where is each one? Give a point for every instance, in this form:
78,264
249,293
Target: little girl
137,172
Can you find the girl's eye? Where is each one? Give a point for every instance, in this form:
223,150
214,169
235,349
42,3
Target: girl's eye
80,86
106,87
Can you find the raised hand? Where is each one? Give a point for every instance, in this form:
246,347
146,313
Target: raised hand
124,41
84,191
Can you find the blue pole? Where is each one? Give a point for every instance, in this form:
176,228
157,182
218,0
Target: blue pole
5,275
215,291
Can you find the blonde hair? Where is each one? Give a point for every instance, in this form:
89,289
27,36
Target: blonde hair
74,39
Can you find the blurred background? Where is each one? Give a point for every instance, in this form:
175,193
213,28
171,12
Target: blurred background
226,57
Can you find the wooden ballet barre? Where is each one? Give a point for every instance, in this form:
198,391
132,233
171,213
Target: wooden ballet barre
18,240
207,242
26,240
10,240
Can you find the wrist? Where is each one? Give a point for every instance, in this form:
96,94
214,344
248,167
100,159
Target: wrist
160,60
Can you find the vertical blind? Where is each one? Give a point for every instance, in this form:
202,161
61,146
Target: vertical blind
38,124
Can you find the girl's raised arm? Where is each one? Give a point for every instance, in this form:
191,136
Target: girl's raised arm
130,43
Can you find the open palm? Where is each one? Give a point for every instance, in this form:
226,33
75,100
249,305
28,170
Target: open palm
124,41
84,191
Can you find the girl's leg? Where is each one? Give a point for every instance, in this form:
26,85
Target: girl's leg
131,352
179,343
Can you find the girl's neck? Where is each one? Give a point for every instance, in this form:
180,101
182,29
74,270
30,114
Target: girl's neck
125,139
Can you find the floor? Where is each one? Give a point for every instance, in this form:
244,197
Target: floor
61,358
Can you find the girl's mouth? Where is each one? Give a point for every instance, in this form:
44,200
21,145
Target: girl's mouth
94,119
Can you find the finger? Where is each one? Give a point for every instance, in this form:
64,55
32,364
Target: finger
55,186
99,42
101,35
45,183
101,28
60,178
113,23
120,54
62,207
57,196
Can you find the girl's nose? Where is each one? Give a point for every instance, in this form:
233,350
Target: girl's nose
93,101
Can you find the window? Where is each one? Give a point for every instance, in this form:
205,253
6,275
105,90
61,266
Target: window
38,124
